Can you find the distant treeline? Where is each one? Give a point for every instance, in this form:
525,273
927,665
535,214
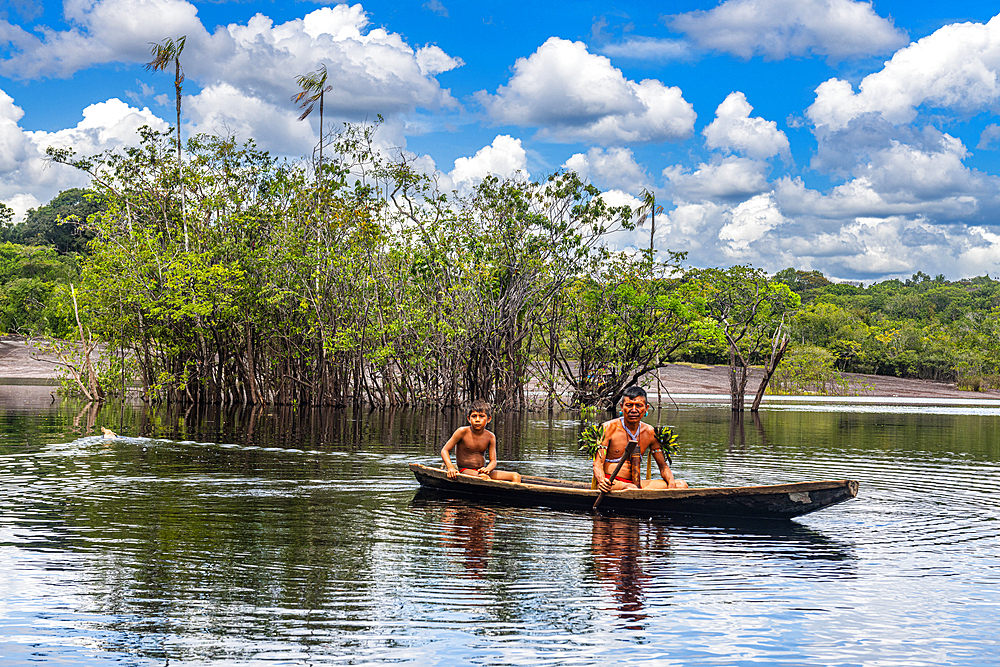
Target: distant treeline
923,327
243,279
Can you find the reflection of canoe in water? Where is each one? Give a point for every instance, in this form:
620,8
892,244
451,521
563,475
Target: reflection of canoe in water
778,501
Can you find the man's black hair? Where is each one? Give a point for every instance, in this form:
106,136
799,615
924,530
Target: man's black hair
635,392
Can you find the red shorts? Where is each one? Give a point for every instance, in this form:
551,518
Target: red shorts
474,471
620,479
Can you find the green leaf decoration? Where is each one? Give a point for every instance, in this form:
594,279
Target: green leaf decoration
668,442
591,438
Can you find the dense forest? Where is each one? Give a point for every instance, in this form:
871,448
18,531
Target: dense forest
239,278
922,327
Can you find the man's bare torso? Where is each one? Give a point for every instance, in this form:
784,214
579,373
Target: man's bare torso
618,441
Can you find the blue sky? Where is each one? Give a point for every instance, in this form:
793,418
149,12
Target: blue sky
855,138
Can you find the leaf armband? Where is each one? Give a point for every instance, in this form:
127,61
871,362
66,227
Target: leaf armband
590,439
668,441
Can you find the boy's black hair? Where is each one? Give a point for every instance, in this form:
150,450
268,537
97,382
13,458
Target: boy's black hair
479,405
635,392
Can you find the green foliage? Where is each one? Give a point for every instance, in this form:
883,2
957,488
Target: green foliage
749,311
803,283
625,318
923,327
368,285
62,223
32,296
257,283
668,442
590,439
808,369
592,435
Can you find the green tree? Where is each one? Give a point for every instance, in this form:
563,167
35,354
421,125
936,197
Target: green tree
749,310
32,279
808,369
622,320
62,223
803,283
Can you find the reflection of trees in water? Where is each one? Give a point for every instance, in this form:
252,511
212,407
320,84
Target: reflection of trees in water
509,429
471,529
343,429
738,433
616,546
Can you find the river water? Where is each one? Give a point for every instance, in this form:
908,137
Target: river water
297,538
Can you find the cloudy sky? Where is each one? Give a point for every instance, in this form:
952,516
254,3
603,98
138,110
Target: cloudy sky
860,139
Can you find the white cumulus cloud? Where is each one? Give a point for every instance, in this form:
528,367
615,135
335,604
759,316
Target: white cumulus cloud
100,31
734,130
504,158
573,95
225,110
731,178
956,68
371,69
922,173
28,179
778,29
750,221
609,168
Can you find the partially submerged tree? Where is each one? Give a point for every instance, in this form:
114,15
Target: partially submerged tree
372,286
749,309
622,320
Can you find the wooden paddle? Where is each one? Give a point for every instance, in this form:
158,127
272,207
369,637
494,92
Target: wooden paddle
625,457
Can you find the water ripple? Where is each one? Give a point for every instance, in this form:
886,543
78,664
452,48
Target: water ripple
149,549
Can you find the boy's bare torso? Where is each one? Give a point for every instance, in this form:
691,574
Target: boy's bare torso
470,451
472,445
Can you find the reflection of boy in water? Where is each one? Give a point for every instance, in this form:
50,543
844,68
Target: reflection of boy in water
617,434
472,529
471,443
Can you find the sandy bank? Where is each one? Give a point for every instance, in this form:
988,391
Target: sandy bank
22,363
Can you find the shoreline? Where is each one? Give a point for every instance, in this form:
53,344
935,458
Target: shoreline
23,365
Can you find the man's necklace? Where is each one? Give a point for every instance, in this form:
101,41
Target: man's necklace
631,436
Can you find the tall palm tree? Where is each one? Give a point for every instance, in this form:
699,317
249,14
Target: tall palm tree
649,204
164,53
313,87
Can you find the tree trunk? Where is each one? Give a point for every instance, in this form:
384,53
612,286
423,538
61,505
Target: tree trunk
180,170
777,352
737,380
738,375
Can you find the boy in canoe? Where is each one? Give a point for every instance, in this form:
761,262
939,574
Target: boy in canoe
471,443
617,435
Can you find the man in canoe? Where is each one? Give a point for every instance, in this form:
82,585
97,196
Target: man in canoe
617,435
471,443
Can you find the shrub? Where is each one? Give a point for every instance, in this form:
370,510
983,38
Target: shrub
808,369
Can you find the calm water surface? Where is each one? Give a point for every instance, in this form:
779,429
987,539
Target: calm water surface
288,538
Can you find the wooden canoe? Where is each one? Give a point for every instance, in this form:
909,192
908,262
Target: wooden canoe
778,501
